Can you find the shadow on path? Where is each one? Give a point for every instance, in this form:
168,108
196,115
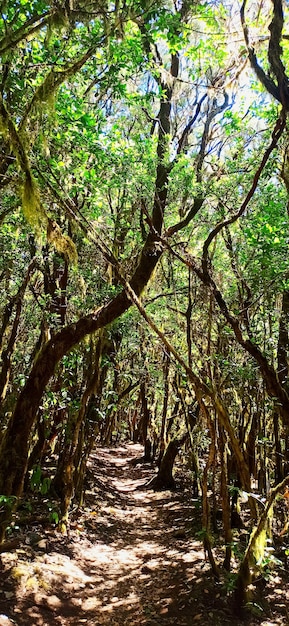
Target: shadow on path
131,558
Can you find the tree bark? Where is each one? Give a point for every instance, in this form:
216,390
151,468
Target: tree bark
15,443
6,356
14,446
163,434
164,478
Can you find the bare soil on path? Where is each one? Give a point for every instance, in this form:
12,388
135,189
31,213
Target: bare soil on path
131,558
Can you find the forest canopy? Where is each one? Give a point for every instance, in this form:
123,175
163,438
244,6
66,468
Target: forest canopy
144,242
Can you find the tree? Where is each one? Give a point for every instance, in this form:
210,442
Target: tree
154,170
20,425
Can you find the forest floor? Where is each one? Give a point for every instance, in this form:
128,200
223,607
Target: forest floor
132,557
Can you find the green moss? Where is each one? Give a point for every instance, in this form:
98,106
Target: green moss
31,204
260,545
62,243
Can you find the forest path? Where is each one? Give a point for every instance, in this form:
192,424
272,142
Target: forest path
130,559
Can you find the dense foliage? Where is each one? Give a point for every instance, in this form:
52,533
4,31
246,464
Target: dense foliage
144,249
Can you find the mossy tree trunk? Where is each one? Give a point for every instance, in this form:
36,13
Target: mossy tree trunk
64,478
14,306
15,443
255,551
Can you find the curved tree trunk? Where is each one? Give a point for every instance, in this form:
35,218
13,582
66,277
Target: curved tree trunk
14,446
6,355
164,478
15,443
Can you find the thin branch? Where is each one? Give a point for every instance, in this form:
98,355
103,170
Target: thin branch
212,113
276,134
187,129
275,53
6,212
279,92
192,212
14,38
54,79
197,382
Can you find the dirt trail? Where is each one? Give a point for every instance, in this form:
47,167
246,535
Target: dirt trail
130,559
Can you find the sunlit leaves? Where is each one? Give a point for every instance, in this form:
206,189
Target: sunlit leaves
93,149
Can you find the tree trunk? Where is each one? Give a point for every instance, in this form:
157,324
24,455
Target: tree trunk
6,356
282,359
142,430
15,443
164,478
163,437
254,551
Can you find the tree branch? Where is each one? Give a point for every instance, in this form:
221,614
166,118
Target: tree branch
276,134
281,91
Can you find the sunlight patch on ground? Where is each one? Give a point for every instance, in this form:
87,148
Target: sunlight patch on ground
146,547
151,497
192,556
119,462
127,485
102,554
129,601
132,562
89,604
